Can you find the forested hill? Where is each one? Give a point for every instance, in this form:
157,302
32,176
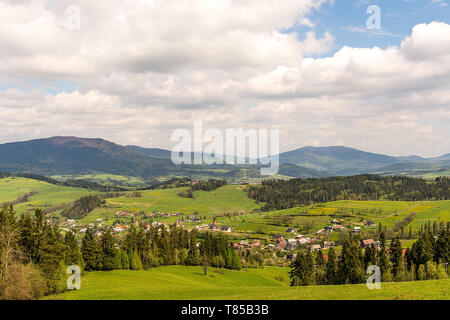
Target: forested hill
281,194
71,155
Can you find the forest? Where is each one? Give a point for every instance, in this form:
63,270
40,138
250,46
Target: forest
284,194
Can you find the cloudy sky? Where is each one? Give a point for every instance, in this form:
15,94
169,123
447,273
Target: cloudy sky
132,71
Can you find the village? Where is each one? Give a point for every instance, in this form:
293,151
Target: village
290,242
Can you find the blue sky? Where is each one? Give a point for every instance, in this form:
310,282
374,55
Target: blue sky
346,20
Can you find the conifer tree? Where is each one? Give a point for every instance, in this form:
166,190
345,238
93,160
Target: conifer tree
331,267
108,251
90,251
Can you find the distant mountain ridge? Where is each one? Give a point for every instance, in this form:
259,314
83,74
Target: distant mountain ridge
72,155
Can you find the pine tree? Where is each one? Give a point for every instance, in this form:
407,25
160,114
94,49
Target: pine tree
124,260
135,263
72,251
383,261
351,267
395,254
108,251
301,273
90,251
331,267
193,258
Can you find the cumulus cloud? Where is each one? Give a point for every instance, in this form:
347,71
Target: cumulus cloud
144,68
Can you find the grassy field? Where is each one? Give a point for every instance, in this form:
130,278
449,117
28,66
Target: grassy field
230,199
47,194
103,178
226,199
317,216
270,283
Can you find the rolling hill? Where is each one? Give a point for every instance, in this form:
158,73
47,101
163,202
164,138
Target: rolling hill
71,155
345,161
77,156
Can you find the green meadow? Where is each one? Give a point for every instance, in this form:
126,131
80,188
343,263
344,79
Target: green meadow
226,199
47,194
270,283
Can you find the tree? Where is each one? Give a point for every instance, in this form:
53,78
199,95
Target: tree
108,251
205,262
135,261
90,251
193,257
72,251
395,254
302,272
351,267
331,267
124,260
383,261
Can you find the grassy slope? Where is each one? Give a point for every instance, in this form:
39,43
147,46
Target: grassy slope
225,199
48,194
177,283
319,215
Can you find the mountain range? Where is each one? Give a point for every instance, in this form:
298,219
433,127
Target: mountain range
74,156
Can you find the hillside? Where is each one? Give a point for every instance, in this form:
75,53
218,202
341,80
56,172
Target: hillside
71,155
339,160
270,283
336,160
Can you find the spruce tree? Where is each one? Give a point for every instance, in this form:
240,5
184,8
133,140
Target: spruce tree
108,251
90,251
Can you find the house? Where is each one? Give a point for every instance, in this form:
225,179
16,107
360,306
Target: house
236,246
291,256
291,230
367,243
338,227
270,246
256,243
225,229
370,223
304,240
244,243
357,229
315,247
328,244
213,227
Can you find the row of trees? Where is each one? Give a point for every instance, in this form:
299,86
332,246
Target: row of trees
283,194
154,248
426,260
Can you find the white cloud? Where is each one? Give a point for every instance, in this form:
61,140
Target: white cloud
144,69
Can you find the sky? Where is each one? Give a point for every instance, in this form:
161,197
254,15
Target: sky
323,72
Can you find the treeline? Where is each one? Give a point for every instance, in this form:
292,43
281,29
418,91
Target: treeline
24,197
82,206
157,247
169,184
33,256
284,194
210,185
75,183
426,260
